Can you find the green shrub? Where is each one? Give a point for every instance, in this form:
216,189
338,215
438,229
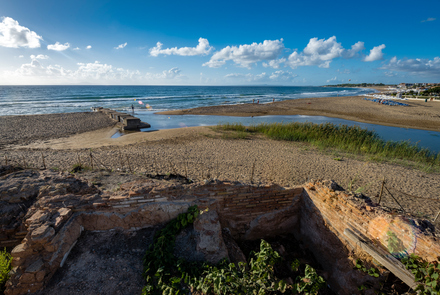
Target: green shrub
5,267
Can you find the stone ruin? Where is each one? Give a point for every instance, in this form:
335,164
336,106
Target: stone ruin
43,214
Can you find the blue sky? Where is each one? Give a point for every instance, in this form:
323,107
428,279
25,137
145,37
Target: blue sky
218,42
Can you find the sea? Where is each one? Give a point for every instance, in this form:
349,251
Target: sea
147,100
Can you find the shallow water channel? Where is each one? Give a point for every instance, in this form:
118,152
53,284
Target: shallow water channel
424,138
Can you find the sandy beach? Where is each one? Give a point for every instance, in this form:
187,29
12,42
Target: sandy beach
419,114
201,153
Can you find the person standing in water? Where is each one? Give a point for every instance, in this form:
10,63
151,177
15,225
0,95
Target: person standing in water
132,108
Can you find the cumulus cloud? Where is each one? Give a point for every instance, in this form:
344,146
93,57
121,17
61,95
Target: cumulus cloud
58,47
96,72
120,46
246,55
89,47
35,69
319,52
76,48
414,66
375,53
13,35
275,63
429,19
355,49
40,56
202,48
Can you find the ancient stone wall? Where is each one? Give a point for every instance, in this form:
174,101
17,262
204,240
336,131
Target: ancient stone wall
400,234
326,213
317,213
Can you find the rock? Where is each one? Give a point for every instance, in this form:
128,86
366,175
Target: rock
21,250
39,216
234,251
27,278
36,266
210,240
40,276
42,234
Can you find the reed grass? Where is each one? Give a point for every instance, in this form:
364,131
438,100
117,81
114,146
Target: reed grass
351,139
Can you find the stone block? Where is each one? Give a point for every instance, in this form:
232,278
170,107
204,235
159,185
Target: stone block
42,234
21,250
27,278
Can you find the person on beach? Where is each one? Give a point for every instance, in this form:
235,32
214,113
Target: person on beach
253,100
132,108
273,100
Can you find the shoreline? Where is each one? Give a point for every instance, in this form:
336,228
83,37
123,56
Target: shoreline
418,115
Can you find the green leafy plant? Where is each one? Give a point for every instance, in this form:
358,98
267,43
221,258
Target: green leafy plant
160,264
5,267
310,283
370,271
165,274
426,274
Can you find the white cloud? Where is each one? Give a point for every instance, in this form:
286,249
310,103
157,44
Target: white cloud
429,19
202,48
278,76
173,73
40,56
248,77
89,47
282,76
319,52
414,66
35,69
332,79
275,63
245,55
76,48
120,46
13,35
58,47
357,47
36,72
20,56
375,53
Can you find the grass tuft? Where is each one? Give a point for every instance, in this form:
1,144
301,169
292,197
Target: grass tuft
351,139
